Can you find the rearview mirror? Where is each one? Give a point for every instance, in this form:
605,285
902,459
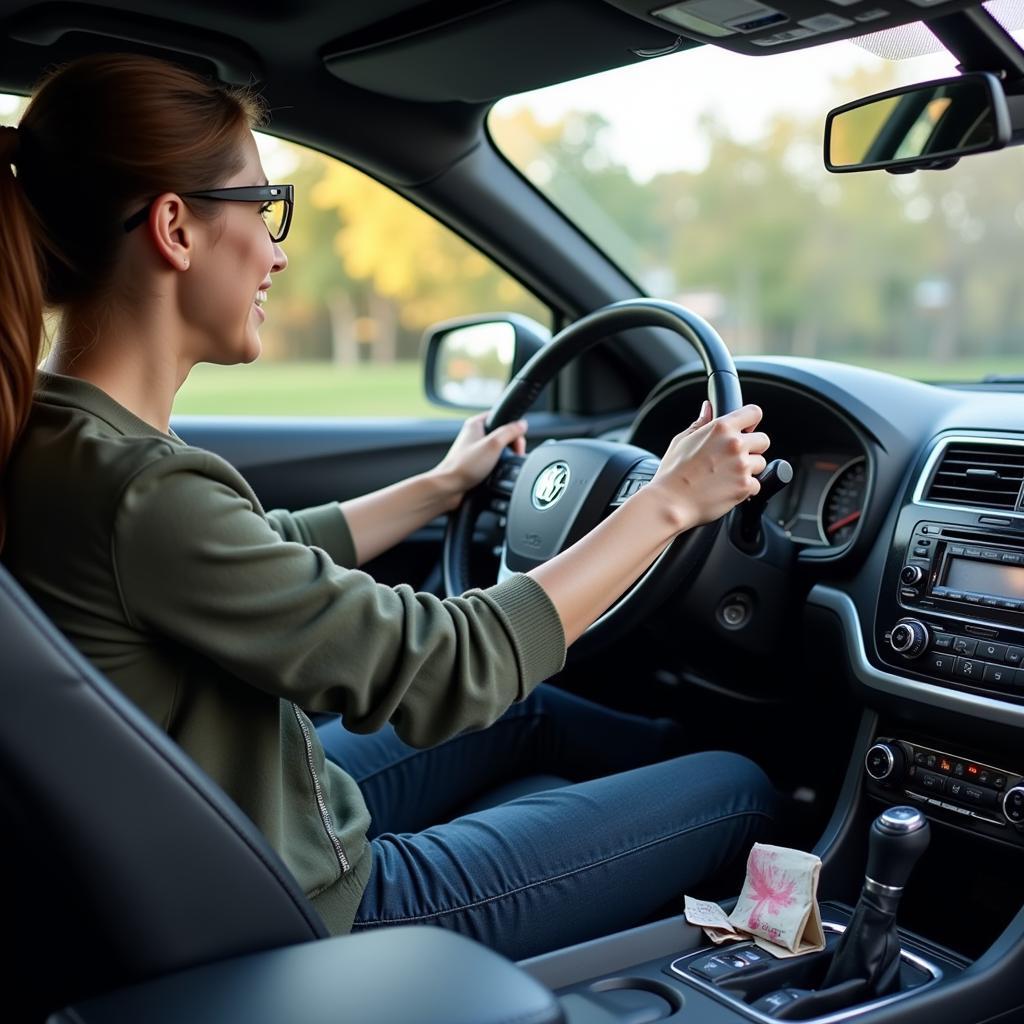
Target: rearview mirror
925,126
468,361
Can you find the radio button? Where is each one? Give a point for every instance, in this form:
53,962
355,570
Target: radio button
1018,679
973,552
1012,557
944,642
921,552
909,638
990,554
994,652
911,574
999,675
972,598
940,664
956,549
968,668
954,595
964,645
1010,606
1014,655
990,602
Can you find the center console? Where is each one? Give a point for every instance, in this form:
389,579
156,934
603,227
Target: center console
668,971
951,604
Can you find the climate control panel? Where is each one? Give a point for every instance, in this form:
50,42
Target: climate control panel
960,790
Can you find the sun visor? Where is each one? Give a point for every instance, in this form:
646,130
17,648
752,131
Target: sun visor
498,50
773,26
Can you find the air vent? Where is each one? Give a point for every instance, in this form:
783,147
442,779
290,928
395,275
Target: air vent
979,476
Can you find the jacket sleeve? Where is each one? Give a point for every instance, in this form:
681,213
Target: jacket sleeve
197,563
324,527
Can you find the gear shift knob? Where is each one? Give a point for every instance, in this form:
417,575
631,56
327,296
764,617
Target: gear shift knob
870,947
896,841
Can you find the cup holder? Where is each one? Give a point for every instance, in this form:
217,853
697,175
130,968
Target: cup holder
635,1000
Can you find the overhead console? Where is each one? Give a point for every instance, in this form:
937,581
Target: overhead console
772,26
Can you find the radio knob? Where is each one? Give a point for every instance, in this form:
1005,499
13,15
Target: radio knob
910,575
1013,806
909,638
884,762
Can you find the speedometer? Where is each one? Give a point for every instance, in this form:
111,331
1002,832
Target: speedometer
842,502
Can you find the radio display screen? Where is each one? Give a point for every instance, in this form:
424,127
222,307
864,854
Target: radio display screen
985,578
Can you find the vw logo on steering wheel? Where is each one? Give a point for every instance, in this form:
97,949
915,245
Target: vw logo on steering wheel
550,485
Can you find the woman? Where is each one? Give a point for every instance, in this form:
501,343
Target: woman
140,213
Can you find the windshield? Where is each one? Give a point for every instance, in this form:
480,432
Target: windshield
701,174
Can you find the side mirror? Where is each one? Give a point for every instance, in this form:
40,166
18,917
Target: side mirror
468,361
925,126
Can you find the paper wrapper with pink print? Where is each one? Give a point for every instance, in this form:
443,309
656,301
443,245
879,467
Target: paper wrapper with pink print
779,902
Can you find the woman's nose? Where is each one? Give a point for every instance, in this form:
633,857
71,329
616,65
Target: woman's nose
280,259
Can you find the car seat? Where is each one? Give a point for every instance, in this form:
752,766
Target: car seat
123,861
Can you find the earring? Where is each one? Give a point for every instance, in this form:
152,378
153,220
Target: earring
185,267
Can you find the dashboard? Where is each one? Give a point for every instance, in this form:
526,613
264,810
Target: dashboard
864,446
825,501
830,452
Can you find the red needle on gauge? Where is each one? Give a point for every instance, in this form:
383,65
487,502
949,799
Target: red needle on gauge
845,521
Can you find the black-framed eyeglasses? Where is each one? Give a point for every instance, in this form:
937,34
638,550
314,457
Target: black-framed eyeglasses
277,203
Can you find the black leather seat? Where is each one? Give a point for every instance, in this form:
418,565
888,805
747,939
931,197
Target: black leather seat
123,862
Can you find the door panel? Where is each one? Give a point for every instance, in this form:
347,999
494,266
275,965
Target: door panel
298,463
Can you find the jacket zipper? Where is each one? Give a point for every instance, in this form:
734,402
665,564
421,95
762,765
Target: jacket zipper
325,814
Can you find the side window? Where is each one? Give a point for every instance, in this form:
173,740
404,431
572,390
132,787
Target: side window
368,272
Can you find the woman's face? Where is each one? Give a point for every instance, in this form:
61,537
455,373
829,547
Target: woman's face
229,274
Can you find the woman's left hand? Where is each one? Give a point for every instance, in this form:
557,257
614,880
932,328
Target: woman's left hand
474,454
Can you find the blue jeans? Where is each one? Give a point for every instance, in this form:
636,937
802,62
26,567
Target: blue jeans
557,867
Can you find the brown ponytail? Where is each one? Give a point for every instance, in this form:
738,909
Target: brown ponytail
21,305
101,136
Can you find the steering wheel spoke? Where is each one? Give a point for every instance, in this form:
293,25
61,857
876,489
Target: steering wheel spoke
498,487
638,477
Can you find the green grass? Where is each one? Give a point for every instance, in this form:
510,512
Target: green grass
322,389
307,389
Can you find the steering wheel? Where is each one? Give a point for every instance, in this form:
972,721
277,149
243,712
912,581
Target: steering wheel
562,489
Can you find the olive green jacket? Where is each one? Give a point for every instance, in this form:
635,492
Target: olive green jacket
225,624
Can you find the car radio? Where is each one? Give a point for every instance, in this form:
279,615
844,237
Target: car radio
957,615
959,790
964,570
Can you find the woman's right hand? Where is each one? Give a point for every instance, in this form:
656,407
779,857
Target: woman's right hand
710,467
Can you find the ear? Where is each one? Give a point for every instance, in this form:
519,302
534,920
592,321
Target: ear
171,229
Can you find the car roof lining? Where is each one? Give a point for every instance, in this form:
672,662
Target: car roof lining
435,51
411,82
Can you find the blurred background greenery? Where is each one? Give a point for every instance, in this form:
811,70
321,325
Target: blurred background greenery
917,274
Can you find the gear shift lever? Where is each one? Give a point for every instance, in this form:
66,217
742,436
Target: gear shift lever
870,947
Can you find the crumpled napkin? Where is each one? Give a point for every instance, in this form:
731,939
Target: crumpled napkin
777,907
